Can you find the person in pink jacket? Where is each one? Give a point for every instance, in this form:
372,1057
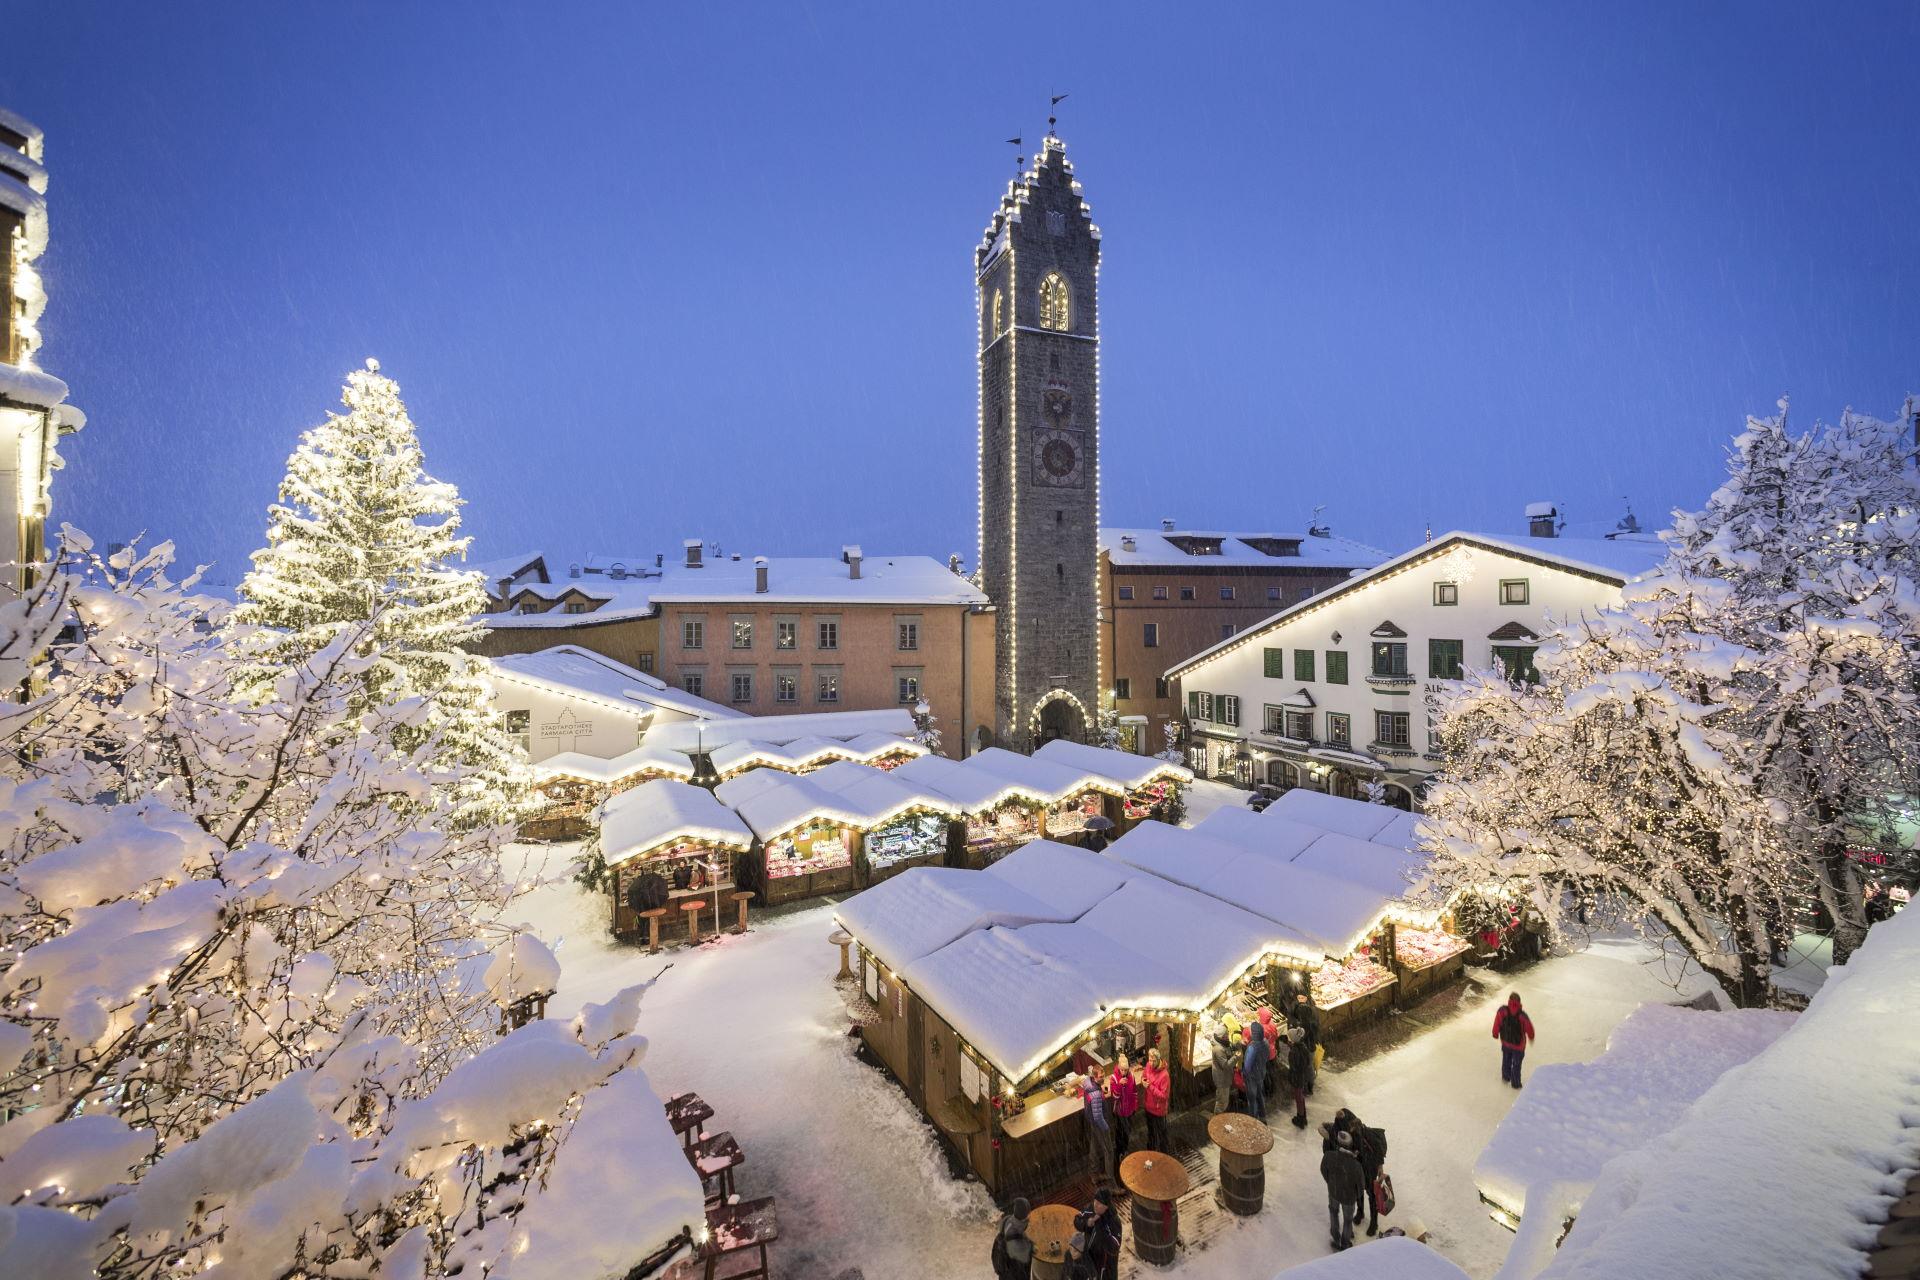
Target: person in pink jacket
1514,1030
1272,1028
1123,1091
1157,1085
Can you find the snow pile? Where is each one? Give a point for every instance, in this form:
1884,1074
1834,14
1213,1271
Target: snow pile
1574,1117
1782,1166
1394,1258
522,966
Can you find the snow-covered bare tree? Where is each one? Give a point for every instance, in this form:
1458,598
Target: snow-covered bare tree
252,974
1706,753
926,726
363,541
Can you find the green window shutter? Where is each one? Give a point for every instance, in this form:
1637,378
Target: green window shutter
1336,666
1276,668
1303,664
1193,705
1443,659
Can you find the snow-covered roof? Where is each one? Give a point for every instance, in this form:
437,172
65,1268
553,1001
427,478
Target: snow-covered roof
663,811
645,758
810,580
1331,813
507,568
1612,560
1388,1258
1163,548
841,726
973,791
1124,769
582,672
1383,868
923,909
854,795
1064,876
1048,778
804,753
1788,1163
30,386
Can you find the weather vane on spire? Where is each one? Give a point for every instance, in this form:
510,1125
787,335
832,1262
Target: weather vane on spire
1019,161
1053,109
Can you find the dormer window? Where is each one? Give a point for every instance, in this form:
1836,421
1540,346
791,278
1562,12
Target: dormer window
1056,311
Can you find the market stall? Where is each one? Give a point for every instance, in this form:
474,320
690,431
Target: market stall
571,784
900,825
806,835
665,844
1149,786
1069,796
1425,960
803,755
998,815
1353,992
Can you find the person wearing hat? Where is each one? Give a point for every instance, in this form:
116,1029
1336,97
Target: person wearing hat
1093,1103
1346,1188
1225,1061
1253,1071
1103,1238
1012,1249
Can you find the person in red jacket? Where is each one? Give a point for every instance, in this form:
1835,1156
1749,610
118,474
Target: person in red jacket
1514,1030
1157,1087
1124,1094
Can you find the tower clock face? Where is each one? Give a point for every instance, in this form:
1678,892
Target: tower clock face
1057,455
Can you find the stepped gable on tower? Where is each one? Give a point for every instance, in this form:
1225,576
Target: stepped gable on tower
1036,273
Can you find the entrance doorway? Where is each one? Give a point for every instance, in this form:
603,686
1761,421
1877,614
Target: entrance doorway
1059,717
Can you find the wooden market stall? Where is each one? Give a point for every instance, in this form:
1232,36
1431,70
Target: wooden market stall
997,815
669,845
1150,787
571,785
1069,796
900,825
804,755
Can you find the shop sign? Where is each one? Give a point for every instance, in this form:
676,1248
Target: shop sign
567,725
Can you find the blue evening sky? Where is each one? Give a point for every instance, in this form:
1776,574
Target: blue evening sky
653,271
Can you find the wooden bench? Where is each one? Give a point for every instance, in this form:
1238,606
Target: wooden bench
714,1158
736,1234
686,1114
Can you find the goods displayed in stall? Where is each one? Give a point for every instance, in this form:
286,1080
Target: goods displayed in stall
1420,948
921,837
1144,801
1070,815
807,851
1012,823
1350,993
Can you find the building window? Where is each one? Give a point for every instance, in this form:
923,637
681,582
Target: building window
1336,666
528,606
1162,687
1389,658
1150,635
1055,310
1443,659
786,634
1273,663
1056,222
646,661
1122,689
743,633
907,685
1300,725
1226,707
576,606
1273,594
1300,594
1226,631
1513,591
786,686
693,682
1390,728
1159,593
1126,593
1339,730
1446,593
1199,706
1226,593
1303,664
998,319
1186,593
1517,661
830,634
693,633
909,636
741,686
1273,720
826,686
520,725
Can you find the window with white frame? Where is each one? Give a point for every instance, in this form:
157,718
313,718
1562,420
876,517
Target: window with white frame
693,633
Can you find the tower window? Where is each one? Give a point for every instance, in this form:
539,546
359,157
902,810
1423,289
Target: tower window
1055,312
996,313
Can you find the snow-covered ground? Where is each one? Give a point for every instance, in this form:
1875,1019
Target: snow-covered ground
755,1026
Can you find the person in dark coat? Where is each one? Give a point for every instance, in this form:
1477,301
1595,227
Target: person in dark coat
1370,1149
1225,1059
1012,1248
1340,1170
1307,1017
1514,1030
1103,1238
1253,1070
1299,1073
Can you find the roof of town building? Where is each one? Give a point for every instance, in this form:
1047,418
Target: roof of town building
634,587
1152,548
1612,560
572,669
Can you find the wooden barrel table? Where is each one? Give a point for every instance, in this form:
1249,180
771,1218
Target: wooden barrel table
1244,1143
1155,1180
1050,1227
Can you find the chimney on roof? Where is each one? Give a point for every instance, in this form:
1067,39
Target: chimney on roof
760,575
736,556
659,559
851,555
573,570
1126,542
953,566
1166,526
1542,520
694,547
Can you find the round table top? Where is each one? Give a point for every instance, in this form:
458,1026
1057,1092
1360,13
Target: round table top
1154,1175
741,895
1050,1227
693,904
651,912
1240,1134
839,937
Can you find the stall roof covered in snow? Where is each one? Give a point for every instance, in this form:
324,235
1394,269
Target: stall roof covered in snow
805,753
972,790
645,758
1785,1164
568,668
1123,769
920,911
1183,548
663,811
1046,778
854,795
1331,813
839,726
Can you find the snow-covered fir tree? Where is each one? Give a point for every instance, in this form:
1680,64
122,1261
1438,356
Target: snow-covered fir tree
1705,754
363,540
252,975
926,726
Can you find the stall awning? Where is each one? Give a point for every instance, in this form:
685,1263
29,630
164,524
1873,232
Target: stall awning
842,793
663,812
646,758
1124,769
974,791
1048,778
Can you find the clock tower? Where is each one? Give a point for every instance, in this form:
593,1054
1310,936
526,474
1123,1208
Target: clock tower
1036,273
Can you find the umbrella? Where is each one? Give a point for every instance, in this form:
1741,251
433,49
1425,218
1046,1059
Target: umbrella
1099,822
